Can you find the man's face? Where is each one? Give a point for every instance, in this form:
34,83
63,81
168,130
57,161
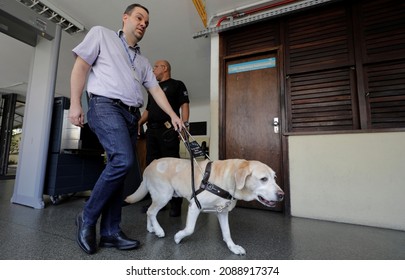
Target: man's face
136,22
158,70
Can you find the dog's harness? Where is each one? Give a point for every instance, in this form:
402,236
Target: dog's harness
212,188
195,150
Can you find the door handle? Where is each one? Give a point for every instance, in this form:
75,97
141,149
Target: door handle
276,125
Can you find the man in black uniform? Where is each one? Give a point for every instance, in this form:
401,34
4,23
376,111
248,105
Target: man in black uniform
161,139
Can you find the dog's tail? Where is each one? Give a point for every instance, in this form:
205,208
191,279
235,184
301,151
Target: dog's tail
138,195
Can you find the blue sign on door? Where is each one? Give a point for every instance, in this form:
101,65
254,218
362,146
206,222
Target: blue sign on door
252,65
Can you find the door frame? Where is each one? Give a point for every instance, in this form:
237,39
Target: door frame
223,59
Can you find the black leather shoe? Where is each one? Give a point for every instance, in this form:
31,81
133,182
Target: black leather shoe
86,235
119,241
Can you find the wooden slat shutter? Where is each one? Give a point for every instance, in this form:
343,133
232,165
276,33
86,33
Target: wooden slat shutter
321,101
251,38
383,31
319,63
318,40
386,94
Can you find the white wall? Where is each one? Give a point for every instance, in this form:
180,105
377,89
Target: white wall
350,178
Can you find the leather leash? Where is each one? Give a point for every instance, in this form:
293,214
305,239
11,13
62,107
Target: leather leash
187,144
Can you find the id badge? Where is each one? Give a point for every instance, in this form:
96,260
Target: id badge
168,125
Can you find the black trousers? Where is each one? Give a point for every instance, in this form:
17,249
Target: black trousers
161,142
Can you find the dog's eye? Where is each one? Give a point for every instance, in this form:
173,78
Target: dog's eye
264,179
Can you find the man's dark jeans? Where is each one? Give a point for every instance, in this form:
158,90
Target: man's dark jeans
117,131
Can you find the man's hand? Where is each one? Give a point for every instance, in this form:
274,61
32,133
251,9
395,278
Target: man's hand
177,123
76,115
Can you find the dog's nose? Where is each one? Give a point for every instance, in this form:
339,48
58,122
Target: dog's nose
280,196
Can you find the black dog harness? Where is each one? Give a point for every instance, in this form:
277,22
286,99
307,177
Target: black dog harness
212,188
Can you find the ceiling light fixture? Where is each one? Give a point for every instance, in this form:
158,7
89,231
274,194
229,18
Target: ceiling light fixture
54,14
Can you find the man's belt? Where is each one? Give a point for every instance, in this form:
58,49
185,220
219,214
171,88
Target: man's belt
132,109
156,125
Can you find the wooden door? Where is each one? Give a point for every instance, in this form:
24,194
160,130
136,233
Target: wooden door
252,104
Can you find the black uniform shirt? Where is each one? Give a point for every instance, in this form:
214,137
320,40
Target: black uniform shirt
176,94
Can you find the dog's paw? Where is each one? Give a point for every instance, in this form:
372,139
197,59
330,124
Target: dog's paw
150,229
178,237
238,250
160,233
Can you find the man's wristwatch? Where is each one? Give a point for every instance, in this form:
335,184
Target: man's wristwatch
186,124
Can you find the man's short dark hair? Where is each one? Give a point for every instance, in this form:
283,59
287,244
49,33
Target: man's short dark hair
130,8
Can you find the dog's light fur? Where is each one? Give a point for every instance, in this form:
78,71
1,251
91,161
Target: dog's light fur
244,180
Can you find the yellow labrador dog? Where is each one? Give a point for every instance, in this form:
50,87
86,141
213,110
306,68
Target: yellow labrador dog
237,178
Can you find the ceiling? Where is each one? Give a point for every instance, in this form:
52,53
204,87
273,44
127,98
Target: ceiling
169,36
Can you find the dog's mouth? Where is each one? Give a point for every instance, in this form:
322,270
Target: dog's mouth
268,203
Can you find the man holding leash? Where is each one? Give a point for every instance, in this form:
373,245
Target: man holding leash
116,70
161,139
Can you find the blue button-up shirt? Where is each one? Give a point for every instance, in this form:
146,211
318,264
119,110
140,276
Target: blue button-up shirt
112,62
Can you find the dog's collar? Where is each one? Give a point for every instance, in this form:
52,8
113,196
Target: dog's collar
212,188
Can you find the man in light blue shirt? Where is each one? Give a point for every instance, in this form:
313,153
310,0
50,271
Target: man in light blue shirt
115,71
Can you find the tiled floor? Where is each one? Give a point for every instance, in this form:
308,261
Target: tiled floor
27,233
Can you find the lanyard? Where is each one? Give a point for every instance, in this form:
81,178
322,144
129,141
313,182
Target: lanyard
131,60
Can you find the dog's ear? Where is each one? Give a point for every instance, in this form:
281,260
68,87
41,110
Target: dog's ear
241,174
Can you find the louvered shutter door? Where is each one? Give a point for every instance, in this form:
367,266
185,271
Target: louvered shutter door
383,32
319,63
251,38
321,101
